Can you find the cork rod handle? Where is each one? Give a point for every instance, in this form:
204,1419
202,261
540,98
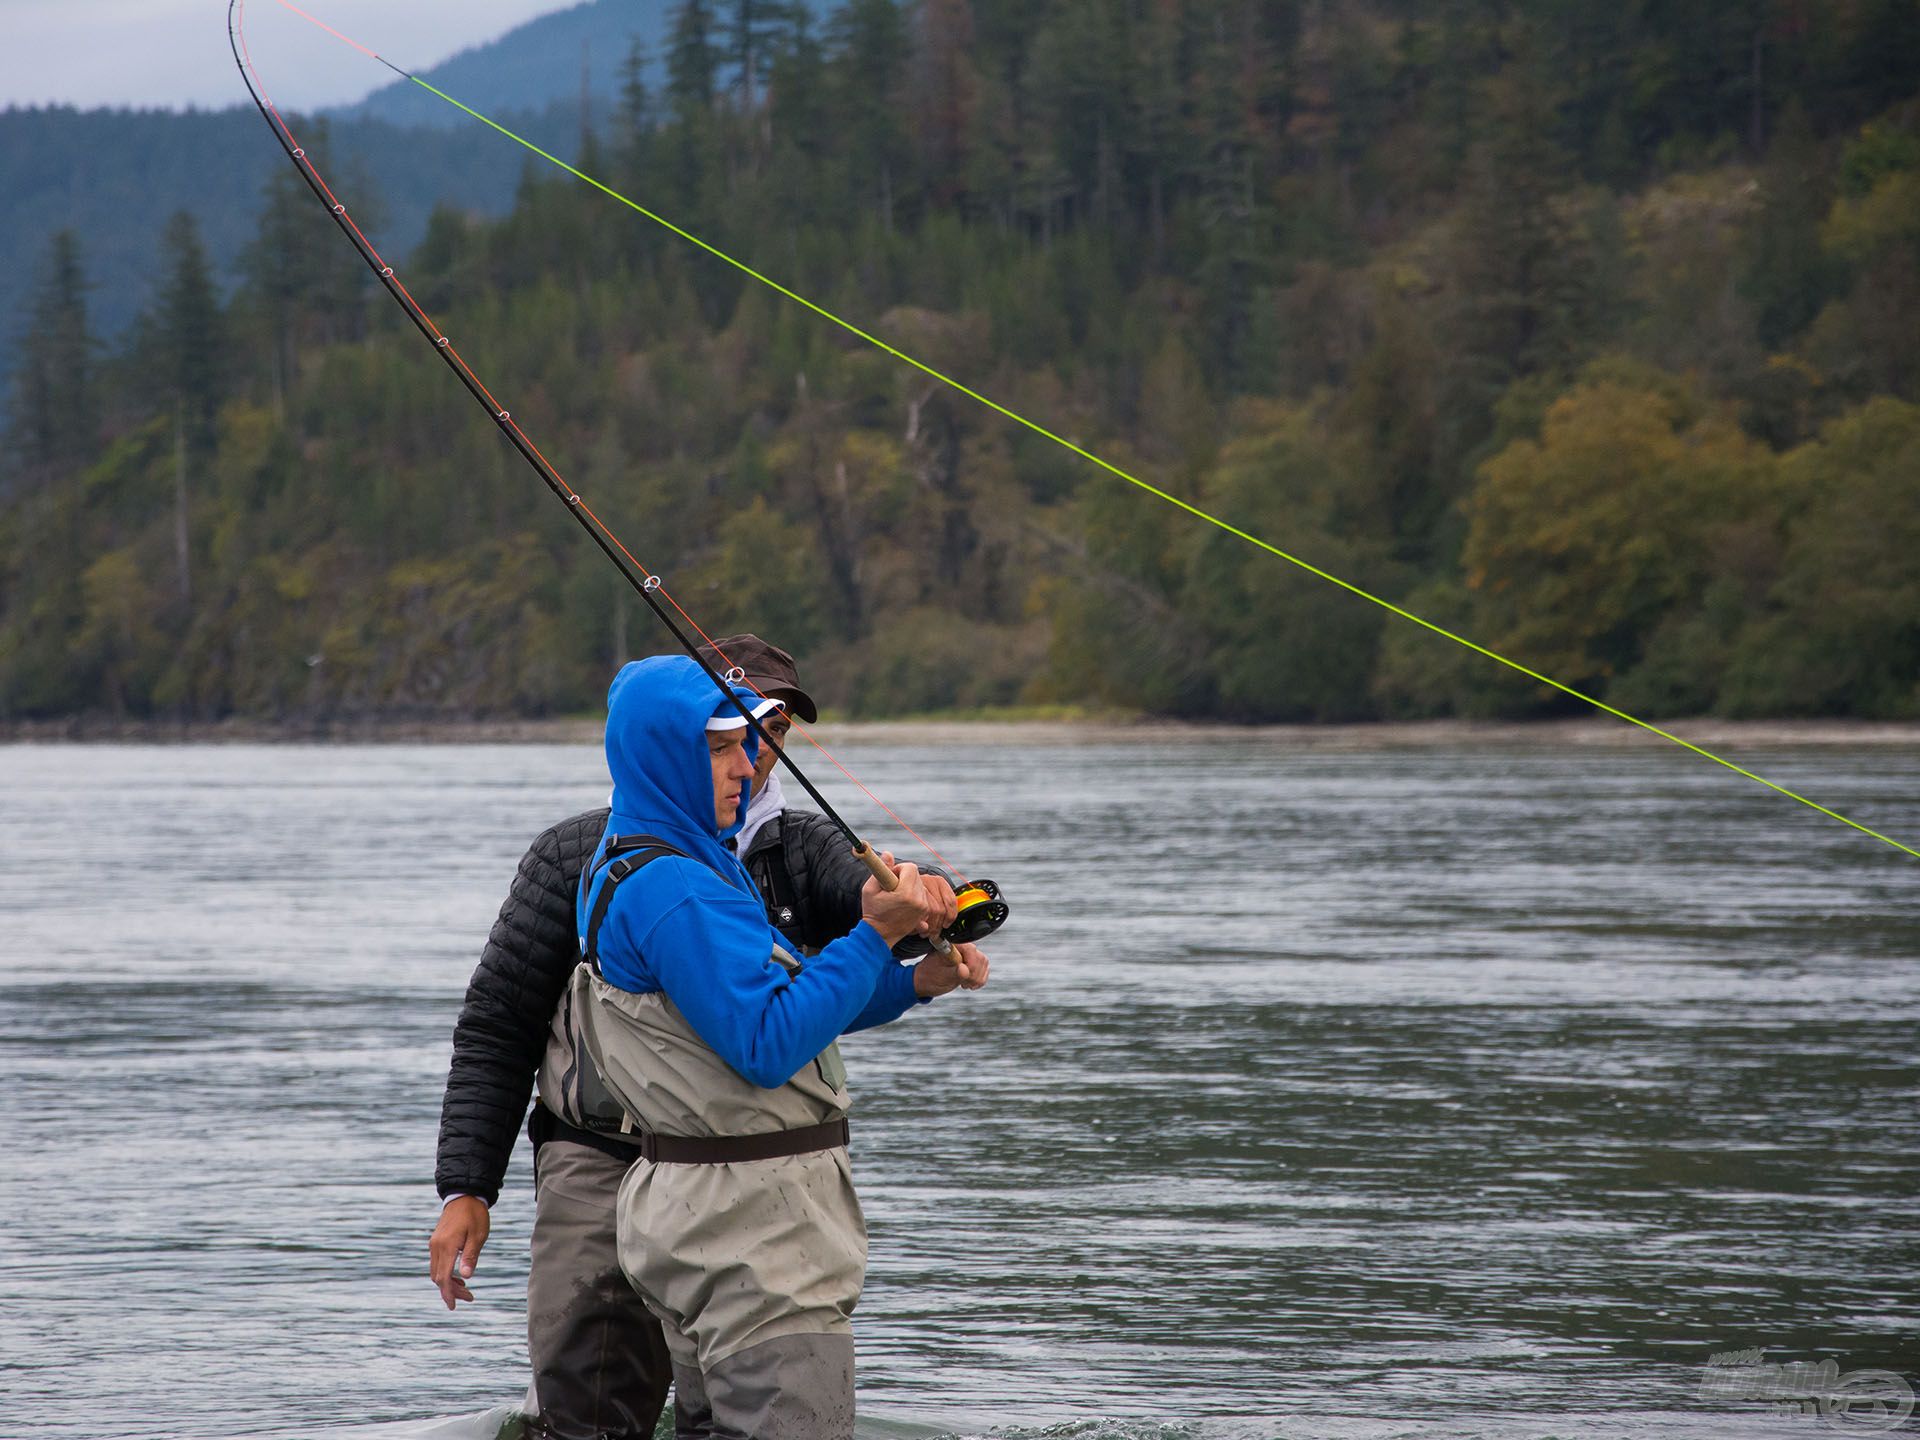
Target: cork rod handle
870,857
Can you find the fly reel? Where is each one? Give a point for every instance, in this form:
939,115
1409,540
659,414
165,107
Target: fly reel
982,912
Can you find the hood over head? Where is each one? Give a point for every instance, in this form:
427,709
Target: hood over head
657,713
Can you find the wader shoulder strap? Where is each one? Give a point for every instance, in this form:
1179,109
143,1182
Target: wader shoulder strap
624,855
771,870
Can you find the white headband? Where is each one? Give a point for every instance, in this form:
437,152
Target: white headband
734,720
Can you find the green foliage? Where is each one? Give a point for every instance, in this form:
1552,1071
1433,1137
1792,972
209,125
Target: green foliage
1839,632
1869,340
1423,675
1286,644
1118,636
1787,273
1586,542
920,662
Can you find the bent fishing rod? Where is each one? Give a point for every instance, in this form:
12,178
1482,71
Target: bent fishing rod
981,910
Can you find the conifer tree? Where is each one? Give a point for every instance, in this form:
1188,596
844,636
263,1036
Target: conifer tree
636,104
798,125
55,433
692,62
1520,268
1787,276
192,349
1229,200
1158,101
796,81
634,118
871,38
303,286
754,29
55,421
191,332
948,89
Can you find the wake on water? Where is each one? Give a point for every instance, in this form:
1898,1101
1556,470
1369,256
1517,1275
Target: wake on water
504,1422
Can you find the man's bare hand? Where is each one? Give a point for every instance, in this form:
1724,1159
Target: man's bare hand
896,913
942,907
455,1247
964,967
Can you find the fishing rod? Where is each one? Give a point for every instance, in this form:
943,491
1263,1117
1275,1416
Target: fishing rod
981,908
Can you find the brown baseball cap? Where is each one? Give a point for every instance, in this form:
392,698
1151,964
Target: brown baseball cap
769,669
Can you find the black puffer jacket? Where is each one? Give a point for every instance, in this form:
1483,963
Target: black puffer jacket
806,873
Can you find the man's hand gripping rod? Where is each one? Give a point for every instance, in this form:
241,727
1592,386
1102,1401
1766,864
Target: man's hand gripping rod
982,911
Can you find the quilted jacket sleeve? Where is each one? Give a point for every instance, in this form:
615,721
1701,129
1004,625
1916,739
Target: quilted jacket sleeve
502,1030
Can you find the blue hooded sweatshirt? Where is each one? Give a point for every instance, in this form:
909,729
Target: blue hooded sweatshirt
697,928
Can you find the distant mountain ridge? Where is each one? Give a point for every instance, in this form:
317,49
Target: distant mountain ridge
541,63
530,67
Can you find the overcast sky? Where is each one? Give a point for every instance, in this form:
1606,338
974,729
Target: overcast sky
174,52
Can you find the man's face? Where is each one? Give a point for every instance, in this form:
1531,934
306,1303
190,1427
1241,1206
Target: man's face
731,768
777,725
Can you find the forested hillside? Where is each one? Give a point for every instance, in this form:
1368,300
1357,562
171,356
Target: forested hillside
1590,331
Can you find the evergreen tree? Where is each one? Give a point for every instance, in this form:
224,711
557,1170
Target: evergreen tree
796,81
1786,274
636,103
871,38
799,127
1519,263
191,332
1158,100
1230,200
1083,78
275,272
693,66
1871,339
693,63
303,285
634,120
754,30
55,433
948,90
55,421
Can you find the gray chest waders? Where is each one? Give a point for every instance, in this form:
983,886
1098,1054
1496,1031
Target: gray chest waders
738,1224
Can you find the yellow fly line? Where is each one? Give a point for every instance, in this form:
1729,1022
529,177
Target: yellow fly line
1108,466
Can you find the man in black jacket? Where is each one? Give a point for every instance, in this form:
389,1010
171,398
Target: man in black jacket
591,1380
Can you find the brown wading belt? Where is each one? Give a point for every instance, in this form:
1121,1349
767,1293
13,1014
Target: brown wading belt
731,1149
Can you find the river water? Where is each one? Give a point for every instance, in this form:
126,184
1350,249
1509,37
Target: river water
1464,1090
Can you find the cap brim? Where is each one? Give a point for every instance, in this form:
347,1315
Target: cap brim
798,702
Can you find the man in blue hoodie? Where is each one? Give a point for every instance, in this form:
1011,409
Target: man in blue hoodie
739,1225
